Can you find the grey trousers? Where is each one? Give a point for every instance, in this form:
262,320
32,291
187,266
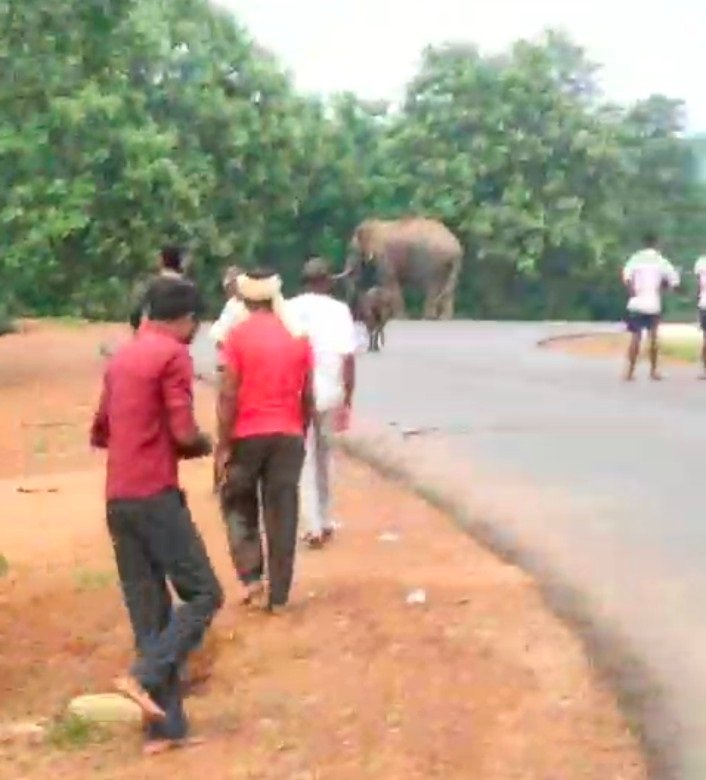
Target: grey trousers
155,539
264,469
316,474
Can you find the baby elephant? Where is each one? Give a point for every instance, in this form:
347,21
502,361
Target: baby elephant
375,310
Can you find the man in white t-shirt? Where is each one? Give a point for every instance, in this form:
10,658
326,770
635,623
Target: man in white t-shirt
233,311
700,273
329,326
646,274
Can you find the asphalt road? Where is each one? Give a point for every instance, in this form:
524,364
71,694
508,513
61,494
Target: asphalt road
625,459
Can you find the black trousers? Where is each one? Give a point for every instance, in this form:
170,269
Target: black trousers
264,470
155,539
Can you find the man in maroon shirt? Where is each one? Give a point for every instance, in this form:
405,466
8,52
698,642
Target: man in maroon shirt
264,407
145,420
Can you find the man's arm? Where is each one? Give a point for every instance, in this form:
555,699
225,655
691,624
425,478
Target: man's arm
308,405
227,406
348,379
177,390
627,275
139,303
308,402
100,428
348,347
671,275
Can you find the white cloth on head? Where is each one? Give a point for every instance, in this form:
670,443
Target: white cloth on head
646,271
269,289
700,273
233,312
331,332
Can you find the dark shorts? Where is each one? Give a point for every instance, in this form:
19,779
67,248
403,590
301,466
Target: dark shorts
702,319
637,322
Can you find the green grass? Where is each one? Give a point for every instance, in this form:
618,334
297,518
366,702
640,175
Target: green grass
682,349
91,579
69,321
70,732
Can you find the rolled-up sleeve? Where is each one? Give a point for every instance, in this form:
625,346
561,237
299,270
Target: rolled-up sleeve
177,389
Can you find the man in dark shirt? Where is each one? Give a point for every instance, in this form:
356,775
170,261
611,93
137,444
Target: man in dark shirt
145,420
171,266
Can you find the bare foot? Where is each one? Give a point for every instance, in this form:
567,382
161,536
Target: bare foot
276,610
629,377
656,377
156,747
314,541
131,689
254,593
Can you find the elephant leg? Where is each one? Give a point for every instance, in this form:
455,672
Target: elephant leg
432,299
431,307
448,294
397,302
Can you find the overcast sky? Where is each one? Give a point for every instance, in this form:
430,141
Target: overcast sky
373,46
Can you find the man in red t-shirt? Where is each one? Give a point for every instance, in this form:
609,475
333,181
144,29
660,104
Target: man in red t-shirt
264,408
146,422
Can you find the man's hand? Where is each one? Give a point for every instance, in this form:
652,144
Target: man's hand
200,447
221,458
342,418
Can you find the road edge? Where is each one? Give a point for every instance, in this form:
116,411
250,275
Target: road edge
639,695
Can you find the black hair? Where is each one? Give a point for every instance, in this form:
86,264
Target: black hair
261,272
171,299
172,258
650,239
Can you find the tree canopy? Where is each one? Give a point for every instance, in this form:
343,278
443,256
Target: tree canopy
126,125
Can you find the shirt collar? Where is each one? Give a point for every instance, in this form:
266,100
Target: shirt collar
159,329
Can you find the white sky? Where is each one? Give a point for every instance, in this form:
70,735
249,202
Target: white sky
372,46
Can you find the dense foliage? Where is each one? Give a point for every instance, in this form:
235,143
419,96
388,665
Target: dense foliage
127,123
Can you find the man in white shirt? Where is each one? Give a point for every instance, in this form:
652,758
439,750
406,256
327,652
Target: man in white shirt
233,311
700,273
329,326
646,274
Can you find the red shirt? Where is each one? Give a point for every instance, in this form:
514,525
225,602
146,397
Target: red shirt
272,368
147,402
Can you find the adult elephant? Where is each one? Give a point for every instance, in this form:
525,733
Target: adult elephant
408,253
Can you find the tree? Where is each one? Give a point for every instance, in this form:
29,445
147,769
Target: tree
126,124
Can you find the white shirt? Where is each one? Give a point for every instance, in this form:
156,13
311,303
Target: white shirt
232,313
700,273
330,329
646,271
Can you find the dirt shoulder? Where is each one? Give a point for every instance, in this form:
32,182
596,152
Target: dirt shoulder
679,344
481,681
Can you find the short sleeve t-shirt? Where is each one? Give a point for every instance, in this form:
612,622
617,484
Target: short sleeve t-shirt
331,331
646,271
700,273
272,367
